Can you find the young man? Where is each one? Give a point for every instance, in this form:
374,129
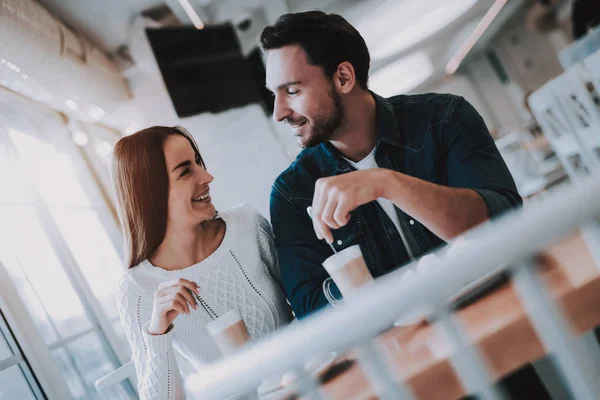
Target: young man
398,176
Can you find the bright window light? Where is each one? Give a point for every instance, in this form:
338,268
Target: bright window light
466,47
95,112
401,76
94,253
42,268
104,149
71,104
50,170
192,15
132,128
80,138
397,25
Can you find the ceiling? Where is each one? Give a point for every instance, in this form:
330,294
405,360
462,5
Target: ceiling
108,24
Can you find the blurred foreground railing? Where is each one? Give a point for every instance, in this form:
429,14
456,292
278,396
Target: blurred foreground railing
509,243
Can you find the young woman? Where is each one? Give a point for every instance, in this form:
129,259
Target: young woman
178,244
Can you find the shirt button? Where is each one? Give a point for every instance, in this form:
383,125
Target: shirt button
412,222
390,230
339,242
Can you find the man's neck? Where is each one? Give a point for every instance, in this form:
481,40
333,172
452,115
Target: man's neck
357,135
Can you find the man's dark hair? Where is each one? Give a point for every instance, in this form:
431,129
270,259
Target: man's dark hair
326,39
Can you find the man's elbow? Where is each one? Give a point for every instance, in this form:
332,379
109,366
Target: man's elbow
475,215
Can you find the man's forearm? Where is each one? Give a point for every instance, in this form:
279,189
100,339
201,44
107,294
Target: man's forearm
445,211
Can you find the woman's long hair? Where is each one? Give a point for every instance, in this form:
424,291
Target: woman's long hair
142,186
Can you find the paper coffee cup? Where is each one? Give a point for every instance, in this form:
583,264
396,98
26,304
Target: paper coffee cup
225,321
342,258
229,332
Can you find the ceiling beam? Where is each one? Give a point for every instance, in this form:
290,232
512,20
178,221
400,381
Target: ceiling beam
181,15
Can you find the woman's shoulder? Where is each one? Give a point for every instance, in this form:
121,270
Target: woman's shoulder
129,283
244,215
249,222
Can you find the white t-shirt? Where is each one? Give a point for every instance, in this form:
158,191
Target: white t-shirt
368,163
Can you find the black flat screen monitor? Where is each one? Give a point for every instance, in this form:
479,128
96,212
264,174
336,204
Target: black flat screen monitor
205,70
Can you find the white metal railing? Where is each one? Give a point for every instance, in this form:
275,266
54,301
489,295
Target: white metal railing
509,242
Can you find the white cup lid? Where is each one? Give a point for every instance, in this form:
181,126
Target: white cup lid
224,321
342,258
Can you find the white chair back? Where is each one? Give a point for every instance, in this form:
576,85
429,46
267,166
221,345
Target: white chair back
592,67
574,91
520,162
549,114
126,371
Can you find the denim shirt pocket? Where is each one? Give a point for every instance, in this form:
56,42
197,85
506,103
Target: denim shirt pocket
348,235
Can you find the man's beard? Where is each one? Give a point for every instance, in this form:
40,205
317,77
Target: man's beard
326,125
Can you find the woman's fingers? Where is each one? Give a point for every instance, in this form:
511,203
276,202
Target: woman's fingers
179,297
160,294
180,282
176,295
176,305
187,295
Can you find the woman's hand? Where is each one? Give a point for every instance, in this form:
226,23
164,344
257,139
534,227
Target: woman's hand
171,299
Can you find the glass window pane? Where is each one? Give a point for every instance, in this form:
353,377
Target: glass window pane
104,141
9,346
52,172
92,362
91,358
118,329
116,392
12,179
28,295
54,131
5,351
94,253
72,377
36,257
13,385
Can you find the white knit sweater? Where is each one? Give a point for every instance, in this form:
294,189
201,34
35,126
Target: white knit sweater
242,273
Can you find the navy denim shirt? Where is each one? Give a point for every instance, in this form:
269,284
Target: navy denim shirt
438,138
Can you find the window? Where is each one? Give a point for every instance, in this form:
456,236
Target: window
59,243
16,379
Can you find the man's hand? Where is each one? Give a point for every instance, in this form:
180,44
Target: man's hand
335,197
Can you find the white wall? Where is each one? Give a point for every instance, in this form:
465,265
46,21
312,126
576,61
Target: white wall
461,85
240,146
530,57
242,152
500,104
505,100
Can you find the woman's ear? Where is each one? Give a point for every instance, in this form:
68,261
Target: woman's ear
344,78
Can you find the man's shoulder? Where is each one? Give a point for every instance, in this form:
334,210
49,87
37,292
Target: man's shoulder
434,103
415,115
300,176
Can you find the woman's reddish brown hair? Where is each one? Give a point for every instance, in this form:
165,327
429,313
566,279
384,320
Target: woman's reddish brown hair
142,186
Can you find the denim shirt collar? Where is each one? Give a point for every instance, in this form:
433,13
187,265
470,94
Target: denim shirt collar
388,129
387,132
